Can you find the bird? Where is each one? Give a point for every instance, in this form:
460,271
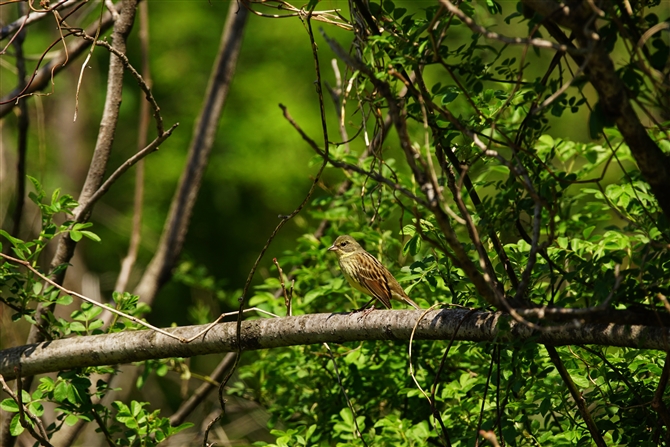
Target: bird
366,274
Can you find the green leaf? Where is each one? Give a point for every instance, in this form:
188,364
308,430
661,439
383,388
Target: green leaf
71,419
95,324
586,232
64,300
76,326
36,408
412,246
12,239
493,7
312,295
61,391
398,13
15,427
9,405
181,427
38,188
92,236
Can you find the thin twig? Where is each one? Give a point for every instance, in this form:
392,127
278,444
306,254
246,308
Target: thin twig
486,390
532,255
138,199
346,396
348,166
284,220
540,43
153,146
103,428
576,396
431,399
548,101
227,314
288,294
203,390
141,82
331,17
32,17
88,57
657,402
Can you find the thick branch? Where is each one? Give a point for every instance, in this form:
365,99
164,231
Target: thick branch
103,147
125,347
179,217
22,122
110,114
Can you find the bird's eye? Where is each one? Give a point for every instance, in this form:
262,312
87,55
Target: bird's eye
343,244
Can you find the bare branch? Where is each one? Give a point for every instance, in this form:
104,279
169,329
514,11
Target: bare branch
181,208
32,17
331,17
142,132
138,77
288,294
22,127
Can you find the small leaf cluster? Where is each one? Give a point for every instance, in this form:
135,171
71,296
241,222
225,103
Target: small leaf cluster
25,290
139,427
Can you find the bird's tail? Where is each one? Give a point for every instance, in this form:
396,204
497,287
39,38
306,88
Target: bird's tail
411,303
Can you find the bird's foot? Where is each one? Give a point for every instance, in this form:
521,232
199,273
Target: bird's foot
364,311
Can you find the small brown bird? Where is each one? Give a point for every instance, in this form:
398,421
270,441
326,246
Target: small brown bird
366,274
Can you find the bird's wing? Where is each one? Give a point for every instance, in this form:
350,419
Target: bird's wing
372,275
398,292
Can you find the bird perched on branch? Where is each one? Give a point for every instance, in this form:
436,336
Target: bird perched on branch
366,274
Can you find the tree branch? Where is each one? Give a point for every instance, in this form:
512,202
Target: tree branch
136,346
181,209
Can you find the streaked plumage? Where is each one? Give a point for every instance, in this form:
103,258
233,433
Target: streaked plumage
366,274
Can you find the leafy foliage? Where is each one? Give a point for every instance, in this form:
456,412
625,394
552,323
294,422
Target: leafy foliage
601,241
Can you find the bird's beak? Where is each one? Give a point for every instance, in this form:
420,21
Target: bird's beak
332,248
